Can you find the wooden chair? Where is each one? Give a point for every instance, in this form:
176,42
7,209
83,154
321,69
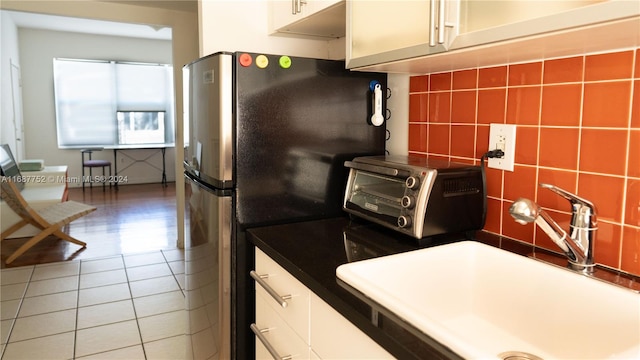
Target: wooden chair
50,219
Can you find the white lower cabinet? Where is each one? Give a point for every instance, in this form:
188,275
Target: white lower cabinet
306,327
285,342
334,337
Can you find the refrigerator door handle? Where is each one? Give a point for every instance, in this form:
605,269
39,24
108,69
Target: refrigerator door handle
281,299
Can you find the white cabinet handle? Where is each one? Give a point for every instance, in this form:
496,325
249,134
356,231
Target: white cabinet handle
281,299
260,334
296,6
432,23
441,25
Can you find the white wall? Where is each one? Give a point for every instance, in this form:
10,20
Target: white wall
38,48
9,56
242,25
398,124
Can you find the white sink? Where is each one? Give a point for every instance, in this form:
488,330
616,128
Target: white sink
482,301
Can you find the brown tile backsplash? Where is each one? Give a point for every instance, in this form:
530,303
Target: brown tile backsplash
578,127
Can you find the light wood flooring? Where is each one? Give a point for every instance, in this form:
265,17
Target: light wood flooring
134,219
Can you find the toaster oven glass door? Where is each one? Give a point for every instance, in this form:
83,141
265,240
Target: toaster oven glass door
379,194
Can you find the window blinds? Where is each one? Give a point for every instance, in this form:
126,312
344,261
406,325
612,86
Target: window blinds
89,94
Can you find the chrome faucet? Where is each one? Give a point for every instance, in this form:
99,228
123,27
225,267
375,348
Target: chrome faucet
578,245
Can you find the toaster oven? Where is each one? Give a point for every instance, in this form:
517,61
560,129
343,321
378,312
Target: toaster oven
416,196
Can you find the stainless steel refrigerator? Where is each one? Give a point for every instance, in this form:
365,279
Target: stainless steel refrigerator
267,139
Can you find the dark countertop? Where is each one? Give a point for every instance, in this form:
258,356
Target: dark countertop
311,251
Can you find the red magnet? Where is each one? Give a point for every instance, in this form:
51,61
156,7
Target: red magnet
245,60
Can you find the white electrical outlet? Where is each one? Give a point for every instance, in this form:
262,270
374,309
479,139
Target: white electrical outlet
502,137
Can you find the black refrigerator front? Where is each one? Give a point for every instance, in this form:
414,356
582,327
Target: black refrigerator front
274,131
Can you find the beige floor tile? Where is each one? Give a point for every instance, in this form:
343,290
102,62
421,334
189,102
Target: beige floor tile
180,280
162,326
103,278
172,348
52,286
148,271
198,319
106,338
103,294
13,291
106,319
204,348
43,325
159,303
56,270
128,353
59,346
5,328
48,303
15,276
153,286
103,314
173,255
177,267
144,259
9,309
111,263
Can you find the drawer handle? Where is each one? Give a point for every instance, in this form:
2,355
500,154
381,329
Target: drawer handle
260,280
260,334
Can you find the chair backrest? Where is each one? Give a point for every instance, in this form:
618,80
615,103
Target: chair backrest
8,166
89,151
12,196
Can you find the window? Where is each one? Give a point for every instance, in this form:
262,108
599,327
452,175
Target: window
110,103
140,127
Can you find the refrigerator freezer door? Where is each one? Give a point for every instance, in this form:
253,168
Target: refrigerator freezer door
208,272
210,118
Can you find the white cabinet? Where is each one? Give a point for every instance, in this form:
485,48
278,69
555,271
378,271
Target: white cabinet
381,31
317,18
293,321
491,32
277,333
296,296
334,337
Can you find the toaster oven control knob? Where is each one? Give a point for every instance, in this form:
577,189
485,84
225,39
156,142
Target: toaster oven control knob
408,202
412,182
404,221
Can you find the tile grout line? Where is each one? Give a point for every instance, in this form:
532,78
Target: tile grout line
75,330
135,312
172,272
28,283
15,319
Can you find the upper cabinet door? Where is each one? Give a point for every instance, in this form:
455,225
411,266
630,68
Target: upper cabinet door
381,31
317,18
397,36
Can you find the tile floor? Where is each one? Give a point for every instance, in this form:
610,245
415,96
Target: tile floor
120,307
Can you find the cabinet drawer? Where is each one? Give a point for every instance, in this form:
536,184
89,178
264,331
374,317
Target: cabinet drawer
278,334
334,337
296,312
